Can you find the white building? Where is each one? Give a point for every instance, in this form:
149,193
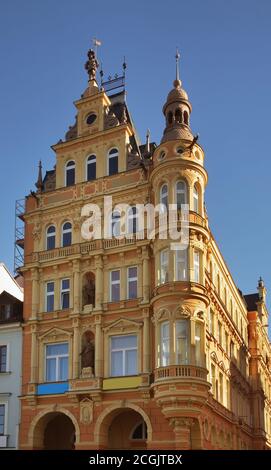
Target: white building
11,314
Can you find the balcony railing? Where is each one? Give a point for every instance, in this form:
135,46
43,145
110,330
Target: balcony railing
180,371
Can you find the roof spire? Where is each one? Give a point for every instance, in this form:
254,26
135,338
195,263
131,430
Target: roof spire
177,57
39,183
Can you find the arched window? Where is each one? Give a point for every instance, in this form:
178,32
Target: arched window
66,234
140,431
132,220
113,161
91,167
178,116
164,197
181,194
170,117
195,199
51,237
70,173
185,118
115,223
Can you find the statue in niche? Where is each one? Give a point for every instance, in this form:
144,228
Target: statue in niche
88,354
89,293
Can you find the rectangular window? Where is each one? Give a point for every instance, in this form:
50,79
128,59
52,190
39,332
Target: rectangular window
213,379
196,267
181,342
226,342
181,265
57,357
132,282
165,351
123,355
232,349
2,419
198,355
3,358
219,333
221,398
211,322
65,294
50,296
115,286
164,266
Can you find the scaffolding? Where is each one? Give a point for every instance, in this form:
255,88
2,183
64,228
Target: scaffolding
19,235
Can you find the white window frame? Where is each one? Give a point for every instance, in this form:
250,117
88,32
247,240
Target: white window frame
64,231
162,197
91,162
115,221
163,264
51,235
123,350
181,191
111,283
198,342
48,295
8,357
57,362
187,352
64,291
165,339
113,155
132,279
195,199
5,403
71,167
196,266
184,260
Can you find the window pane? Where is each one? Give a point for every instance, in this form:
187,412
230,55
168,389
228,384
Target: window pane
2,419
65,300
115,275
131,362
132,272
132,294
181,265
113,165
65,284
51,242
50,287
91,168
116,363
165,345
3,358
67,239
50,370
56,349
181,342
63,368
122,342
115,292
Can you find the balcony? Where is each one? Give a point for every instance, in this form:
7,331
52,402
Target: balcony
10,315
179,372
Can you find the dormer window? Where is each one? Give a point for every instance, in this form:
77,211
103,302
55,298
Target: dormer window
70,173
91,118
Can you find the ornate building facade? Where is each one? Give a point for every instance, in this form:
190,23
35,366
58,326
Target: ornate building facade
128,343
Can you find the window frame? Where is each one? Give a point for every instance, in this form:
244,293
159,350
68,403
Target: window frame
49,294
166,340
64,291
52,235
162,252
64,232
195,199
66,355
123,350
196,266
112,155
69,168
164,207
7,366
130,280
180,192
5,425
187,359
115,282
91,162
177,261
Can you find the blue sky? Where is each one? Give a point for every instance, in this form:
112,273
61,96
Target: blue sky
225,68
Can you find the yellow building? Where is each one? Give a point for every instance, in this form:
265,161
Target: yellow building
129,343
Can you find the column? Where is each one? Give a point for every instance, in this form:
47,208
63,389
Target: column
75,358
99,282
41,289
146,275
35,293
182,431
34,354
98,348
76,286
146,342
123,278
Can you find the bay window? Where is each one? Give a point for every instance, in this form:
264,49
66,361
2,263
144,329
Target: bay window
195,199
181,342
196,266
164,266
164,197
181,265
165,344
181,194
198,335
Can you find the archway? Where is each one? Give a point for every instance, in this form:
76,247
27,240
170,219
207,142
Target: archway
54,431
124,428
